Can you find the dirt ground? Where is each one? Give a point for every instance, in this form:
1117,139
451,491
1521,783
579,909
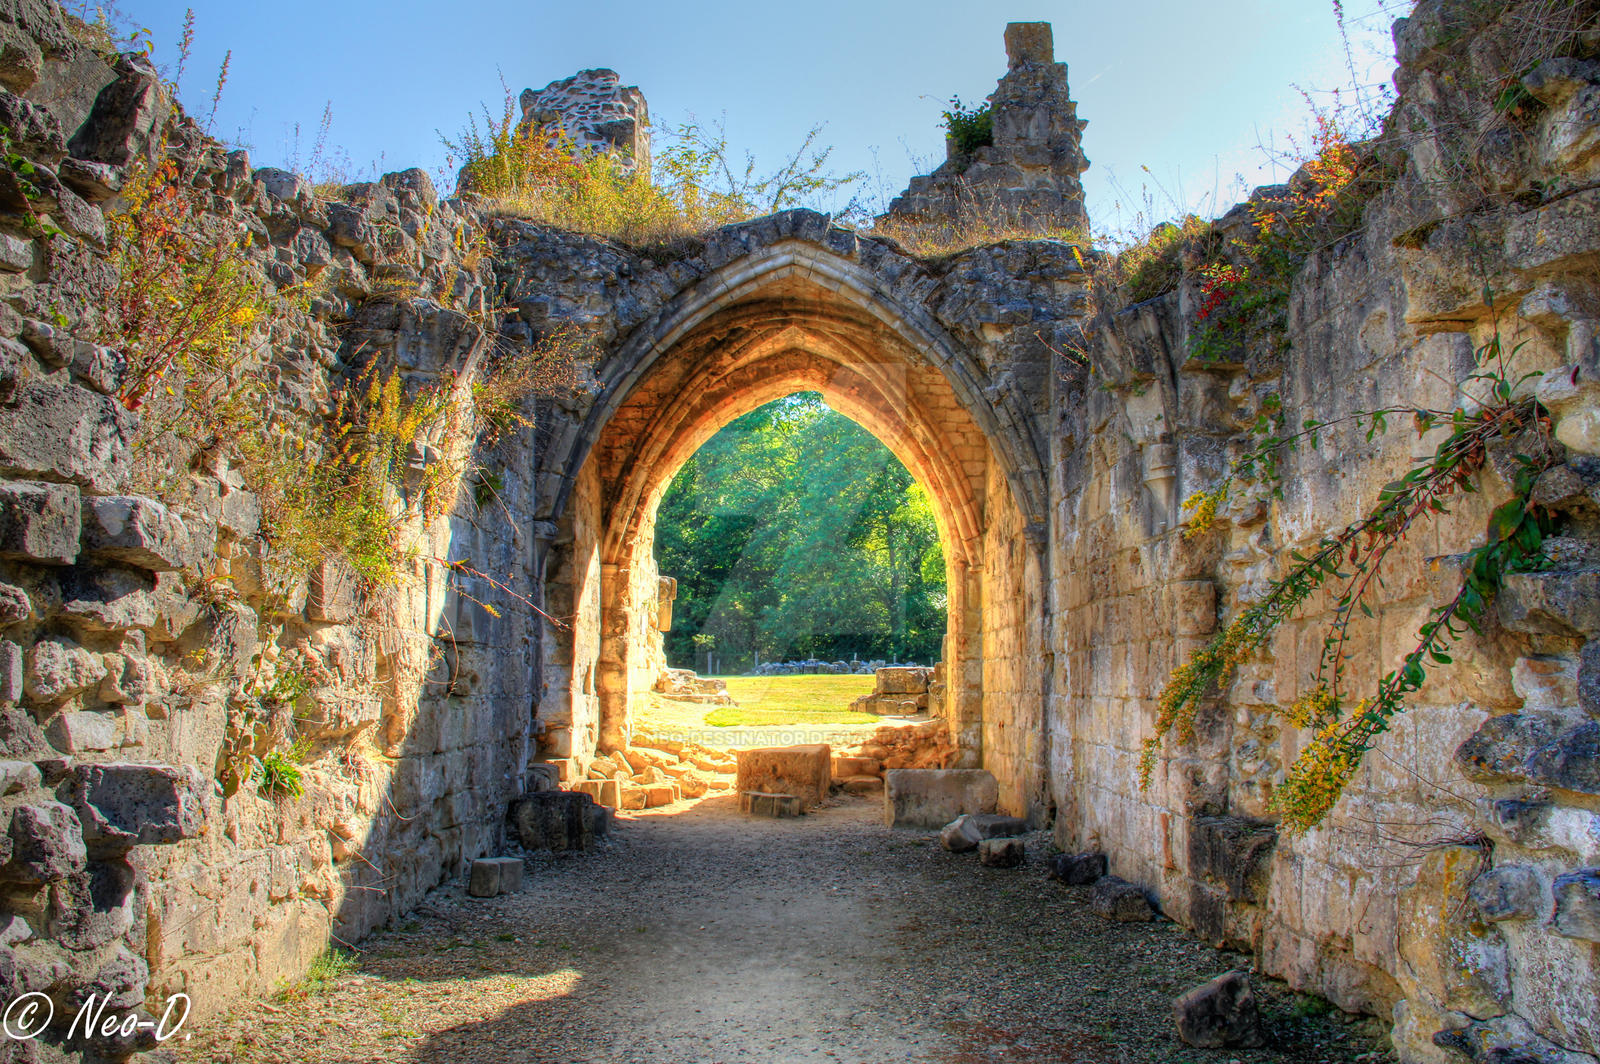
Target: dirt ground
694,935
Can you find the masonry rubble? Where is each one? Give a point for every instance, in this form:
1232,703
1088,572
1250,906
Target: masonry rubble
130,618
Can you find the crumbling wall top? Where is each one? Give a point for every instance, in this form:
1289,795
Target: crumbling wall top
1029,42
593,109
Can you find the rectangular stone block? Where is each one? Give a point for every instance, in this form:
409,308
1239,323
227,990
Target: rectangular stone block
334,594
68,433
77,733
544,776
484,879
123,805
335,712
845,767
803,771
11,664
39,522
555,820
903,680
135,530
605,792
932,797
510,873
759,803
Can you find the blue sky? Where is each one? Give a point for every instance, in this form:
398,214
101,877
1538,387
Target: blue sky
1189,90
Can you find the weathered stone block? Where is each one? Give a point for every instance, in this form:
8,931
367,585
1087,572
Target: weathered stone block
15,605
127,117
1499,750
135,530
18,776
1118,900
931,798
1507,892
1589,678
1551,603
334,594
845,767
21,738
490,876
1577,897
222,639
65,432
511,869
1194,607
604,792
1234,852
1546,684
39,522
11,671
555,820
1455,958
693,783
966,832
1001,853
78,733
862,785
483,880
902,680
1571,761
758,803
1219,1013
109,600
803,771
123,805
1029,42
46,844
93,907
1518,818
57,669
1078,869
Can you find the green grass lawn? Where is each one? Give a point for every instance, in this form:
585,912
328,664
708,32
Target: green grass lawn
792,700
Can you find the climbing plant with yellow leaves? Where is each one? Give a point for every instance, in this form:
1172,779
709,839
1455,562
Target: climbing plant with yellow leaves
1499,416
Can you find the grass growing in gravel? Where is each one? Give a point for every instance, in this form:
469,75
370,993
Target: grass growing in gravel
779,700
326,970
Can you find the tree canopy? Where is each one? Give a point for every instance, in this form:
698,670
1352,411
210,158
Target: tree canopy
794,533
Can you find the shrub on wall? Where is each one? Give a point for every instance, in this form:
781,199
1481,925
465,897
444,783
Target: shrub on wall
969,128
534,172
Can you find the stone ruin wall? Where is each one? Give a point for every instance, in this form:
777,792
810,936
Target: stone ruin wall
124,857
991,299
137,630
1383,907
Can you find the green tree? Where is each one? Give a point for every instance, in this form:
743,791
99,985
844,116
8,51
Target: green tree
794,533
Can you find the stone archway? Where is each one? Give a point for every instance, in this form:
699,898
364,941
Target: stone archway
848,318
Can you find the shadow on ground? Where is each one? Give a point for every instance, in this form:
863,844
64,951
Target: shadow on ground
697,935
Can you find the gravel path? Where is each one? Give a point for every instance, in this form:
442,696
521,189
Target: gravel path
696,935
